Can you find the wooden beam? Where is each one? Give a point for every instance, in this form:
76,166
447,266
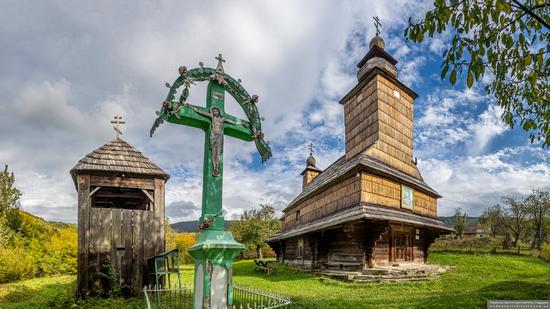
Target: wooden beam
148,196
94,191
120,195
127,182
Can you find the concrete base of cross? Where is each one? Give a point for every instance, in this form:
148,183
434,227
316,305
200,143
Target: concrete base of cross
214,254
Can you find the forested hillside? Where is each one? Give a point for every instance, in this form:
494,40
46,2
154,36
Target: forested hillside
32,247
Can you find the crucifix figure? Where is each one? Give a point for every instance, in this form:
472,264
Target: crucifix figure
215,248
117,121
377,24
220,59
217,121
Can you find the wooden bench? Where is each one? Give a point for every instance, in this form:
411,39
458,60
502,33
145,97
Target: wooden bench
264,266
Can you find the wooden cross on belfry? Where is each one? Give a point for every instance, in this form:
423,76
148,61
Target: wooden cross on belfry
310,147
377,24
118,121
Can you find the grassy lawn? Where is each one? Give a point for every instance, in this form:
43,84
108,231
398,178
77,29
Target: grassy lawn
473,280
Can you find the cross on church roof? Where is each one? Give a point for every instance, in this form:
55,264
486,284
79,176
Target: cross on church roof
310,147
220,61
117,121
377,24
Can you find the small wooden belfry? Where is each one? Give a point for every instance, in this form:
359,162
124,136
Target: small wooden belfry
120,215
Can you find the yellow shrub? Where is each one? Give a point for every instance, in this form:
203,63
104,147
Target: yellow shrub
16,264
182,241
61,252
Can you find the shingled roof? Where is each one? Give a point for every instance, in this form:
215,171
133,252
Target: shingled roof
343,167
363,211
117,156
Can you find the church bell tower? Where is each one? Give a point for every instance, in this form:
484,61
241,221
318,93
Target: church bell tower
378,112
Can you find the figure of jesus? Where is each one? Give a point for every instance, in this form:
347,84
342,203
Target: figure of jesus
216,135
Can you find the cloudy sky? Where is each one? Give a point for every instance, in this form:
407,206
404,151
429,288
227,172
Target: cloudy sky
68,67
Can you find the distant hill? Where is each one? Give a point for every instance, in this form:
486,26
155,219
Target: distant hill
191,226
449,221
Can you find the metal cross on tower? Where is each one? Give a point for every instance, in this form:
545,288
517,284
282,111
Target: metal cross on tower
377,24
311,148
118,121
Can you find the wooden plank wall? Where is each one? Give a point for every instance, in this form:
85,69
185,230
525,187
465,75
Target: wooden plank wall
355,246
381,253
346,248
126,237
83,186
291,249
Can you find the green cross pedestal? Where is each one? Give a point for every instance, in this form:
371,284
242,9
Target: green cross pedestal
215,249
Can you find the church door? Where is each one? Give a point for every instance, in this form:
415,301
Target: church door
401,245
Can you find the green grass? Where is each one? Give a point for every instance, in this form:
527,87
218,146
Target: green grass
473,280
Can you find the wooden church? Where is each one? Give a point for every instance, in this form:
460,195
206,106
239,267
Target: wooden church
371,206
121,215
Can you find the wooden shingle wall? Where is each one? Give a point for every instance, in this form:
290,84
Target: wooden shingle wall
379,122
361,119
382,191
338,196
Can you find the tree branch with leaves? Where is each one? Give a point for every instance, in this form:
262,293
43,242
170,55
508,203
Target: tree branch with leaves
508,41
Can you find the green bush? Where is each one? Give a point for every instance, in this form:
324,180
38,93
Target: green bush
545,252
16,264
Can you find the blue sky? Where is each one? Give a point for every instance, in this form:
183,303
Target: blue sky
68,68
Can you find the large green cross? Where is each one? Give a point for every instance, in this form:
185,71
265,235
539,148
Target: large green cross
215,248
201,117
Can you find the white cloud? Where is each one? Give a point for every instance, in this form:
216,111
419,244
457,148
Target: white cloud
69,68
488,126
448,117
475,182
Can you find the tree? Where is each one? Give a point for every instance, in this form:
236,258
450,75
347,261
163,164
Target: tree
511,41
459,222
493,219
255,227
515,217
538,206
9,194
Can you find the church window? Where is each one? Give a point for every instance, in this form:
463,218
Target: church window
396,94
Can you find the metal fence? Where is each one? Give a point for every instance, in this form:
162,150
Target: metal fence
253,298
243,298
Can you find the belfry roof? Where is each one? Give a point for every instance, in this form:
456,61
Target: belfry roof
118,156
